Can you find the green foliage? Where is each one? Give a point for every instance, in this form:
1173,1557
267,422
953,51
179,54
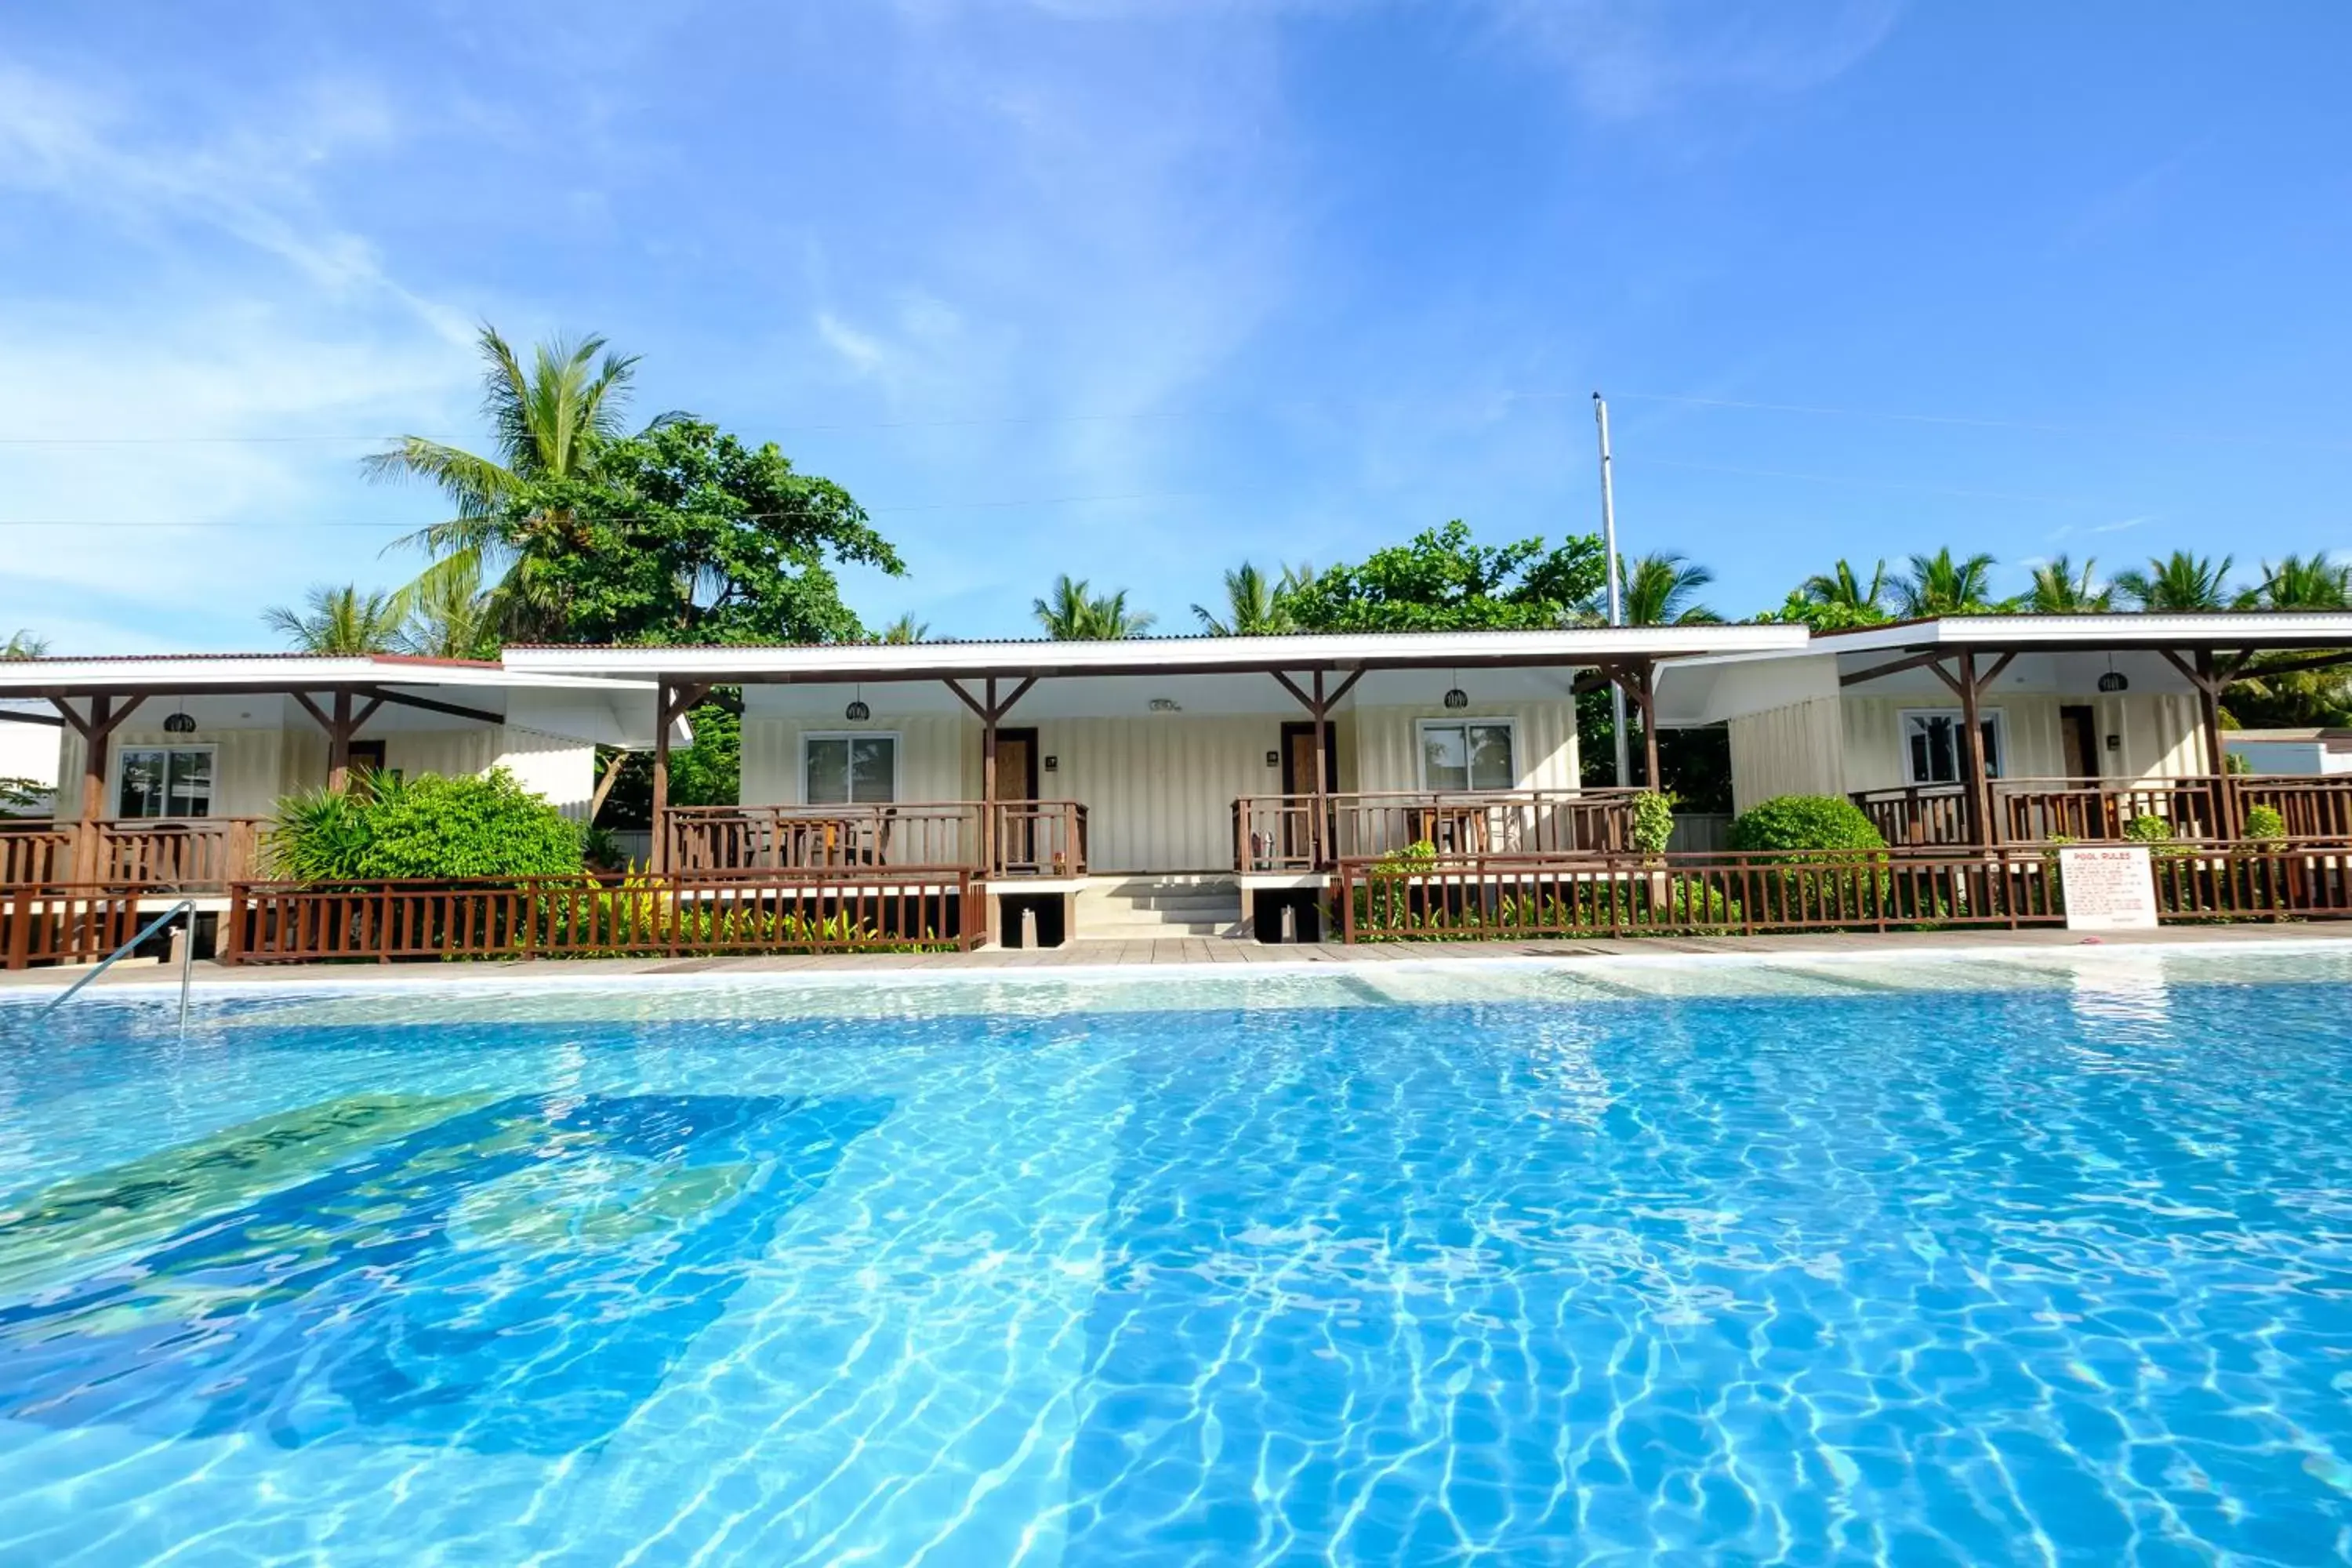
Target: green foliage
1821,821
2060,590
2180,581
24,644
339,620
23,797
433,827
708,773
1653,822
1255,604
1420,854
2265,822
637,914
1660,589
1634,906
1836,600
685,534
2155,833
1073,615
1939,586
1443,581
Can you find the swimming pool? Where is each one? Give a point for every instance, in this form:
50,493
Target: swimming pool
1985,1261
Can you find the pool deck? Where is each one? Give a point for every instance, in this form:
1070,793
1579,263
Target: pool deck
1198,951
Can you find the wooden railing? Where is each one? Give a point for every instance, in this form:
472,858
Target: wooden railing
64,924
2031,811
1277,833
1032,838
185,854
898,910
1514,897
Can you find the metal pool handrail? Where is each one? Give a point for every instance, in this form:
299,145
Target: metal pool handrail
187,960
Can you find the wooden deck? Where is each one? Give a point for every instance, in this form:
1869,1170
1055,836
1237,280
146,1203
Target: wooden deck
1193,950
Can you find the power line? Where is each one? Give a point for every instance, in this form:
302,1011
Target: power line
1965,421
1848,480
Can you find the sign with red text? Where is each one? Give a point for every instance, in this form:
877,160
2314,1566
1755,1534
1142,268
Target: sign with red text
2108,887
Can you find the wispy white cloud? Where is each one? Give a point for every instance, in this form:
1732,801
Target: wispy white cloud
1628,60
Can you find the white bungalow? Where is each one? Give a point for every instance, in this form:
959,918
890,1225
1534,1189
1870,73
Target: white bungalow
2066,726
1155,786
172,763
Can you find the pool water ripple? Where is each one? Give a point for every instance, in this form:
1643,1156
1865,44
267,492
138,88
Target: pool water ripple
2052,1267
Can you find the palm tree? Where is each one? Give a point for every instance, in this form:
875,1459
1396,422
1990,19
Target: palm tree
339,620
2301,583
1938,586
22,644
1659,590
545,422
1072,615
1841,588
1255,604
2180,581
905,629
451,618
2060,590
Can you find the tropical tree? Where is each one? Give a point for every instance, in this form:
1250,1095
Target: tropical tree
1939,586
1255,604
905,629
450,617
1443,581
1835,600
1661,590
24,644
1070,614
2301,583
2060,590
545,422
684,534
2180,581
339,620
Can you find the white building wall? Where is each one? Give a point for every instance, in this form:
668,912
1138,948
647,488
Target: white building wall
1387,748
1796,749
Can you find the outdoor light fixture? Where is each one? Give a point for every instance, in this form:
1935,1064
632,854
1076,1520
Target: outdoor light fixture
858,713
1165,705
179,724
1457,697
2114,682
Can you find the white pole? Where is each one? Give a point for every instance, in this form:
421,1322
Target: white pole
1616,604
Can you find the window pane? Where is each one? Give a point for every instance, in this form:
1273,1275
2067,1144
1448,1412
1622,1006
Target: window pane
191,788
873,769
1444,758
142,784
828,772
1992,747
1490,757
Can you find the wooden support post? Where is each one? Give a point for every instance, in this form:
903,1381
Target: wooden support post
1320,837
2217,753
96,734
339,745
658,818
989,713
1639,682
1972,755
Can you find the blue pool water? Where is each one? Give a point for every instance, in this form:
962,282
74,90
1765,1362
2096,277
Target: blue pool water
2031,1261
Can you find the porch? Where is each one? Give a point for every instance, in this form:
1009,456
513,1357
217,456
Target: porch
1276,835
2033,810
1008,839
159,855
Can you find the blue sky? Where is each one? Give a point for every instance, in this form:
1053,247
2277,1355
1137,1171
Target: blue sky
1140,289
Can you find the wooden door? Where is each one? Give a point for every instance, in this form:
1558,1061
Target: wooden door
2078,731
1016,779
1298,779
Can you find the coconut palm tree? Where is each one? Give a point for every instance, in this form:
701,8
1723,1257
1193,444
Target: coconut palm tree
2180,581
2060,590
23,644
905,629
1660,590
1938,586
1072,615
339,620
450,618
1255,604
1842,588
545,421
2300,583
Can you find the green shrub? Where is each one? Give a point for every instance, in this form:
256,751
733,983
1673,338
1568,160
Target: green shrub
1653,822
429,826
2265,822
1805,822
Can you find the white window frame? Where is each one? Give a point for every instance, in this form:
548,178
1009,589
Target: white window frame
122,762
897,762
1421,750
1998,718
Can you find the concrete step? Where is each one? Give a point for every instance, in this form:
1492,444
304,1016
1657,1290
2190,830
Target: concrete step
1164,930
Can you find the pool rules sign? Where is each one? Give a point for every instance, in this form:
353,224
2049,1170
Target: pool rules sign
2108,887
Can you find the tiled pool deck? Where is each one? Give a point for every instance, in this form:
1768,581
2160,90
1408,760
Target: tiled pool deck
1201,950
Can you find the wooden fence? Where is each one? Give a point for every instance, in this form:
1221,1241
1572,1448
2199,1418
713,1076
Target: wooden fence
1513,897
64,924
898,910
